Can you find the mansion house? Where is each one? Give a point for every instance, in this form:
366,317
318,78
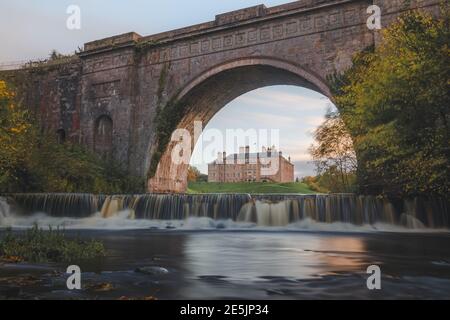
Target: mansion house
266,166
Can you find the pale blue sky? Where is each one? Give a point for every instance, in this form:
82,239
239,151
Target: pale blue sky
30,29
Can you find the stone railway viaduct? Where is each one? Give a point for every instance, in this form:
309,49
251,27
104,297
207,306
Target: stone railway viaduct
123,96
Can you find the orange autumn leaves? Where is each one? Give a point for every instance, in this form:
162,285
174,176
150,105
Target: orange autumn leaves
14,129
13,120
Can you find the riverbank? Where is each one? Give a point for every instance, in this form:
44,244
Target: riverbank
38,245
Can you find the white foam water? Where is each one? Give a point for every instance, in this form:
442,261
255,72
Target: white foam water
211,212
5,210
124,220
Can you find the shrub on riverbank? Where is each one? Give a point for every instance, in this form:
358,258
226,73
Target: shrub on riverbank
37,245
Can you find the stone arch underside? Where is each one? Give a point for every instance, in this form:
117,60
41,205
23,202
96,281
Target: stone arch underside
210,92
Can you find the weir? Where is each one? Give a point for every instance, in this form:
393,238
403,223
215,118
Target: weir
262,210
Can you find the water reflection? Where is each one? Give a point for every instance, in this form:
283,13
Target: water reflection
244,257
248,265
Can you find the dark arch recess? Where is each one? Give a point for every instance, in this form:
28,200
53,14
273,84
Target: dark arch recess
61,136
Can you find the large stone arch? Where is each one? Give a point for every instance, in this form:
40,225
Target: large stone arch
205,95
131,77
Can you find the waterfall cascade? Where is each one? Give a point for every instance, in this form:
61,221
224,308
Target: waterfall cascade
262,210
76,205
4,209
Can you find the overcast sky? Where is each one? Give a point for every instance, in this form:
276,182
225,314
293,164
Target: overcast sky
30,29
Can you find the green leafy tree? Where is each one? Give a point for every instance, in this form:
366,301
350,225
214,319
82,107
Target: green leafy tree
395,102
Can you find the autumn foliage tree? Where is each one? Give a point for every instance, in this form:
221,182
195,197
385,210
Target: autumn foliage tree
14,134
334,155
193,174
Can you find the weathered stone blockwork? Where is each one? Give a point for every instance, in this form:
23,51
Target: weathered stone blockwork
196,70
52,93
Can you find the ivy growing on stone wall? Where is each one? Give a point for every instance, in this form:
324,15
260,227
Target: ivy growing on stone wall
166,123
167,120
162,82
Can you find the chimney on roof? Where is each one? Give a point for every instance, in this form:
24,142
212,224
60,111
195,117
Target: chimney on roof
224,157
269,152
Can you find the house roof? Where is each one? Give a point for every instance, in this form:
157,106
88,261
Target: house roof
252,156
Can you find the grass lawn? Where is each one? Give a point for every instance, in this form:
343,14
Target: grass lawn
243,187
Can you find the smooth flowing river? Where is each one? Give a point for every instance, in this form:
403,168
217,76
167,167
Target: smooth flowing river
279,248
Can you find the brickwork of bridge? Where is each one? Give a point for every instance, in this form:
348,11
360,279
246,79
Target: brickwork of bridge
122,96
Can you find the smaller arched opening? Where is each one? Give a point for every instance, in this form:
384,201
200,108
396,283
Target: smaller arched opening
61,136
103,136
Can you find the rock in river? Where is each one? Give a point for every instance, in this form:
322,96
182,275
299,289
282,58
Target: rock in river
154,271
